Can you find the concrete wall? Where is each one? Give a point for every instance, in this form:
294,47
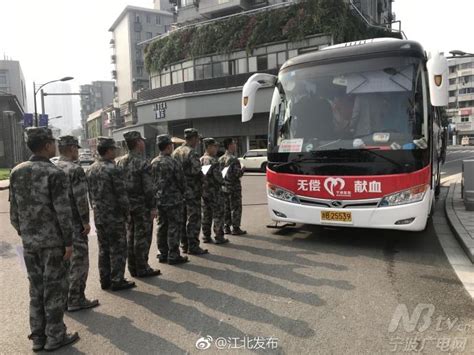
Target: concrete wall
15,81
123,65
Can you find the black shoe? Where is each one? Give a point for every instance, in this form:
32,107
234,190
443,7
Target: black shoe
163,259
227,230
84,304
122,285
38,343
208,239
105,285
179,260
198,251
149,273
238,231
133,273
185,250
68,339
221,240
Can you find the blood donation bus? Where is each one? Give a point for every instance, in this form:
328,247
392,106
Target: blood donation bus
355,135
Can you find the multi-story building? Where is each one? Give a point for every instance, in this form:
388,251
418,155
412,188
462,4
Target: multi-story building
12,146
376,12
12,80
461,96
202,89
134,25
97,95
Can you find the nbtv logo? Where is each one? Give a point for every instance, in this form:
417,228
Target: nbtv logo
420,319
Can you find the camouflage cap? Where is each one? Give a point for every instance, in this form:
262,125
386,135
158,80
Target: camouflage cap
133,135
163,139
64,141
191,132
209,141
106,142
38,134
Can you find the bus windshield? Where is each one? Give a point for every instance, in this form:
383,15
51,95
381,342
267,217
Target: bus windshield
373,104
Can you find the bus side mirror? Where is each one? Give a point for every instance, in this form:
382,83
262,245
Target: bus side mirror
438,79
249,93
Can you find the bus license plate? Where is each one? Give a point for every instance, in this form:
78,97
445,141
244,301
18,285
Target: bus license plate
336,217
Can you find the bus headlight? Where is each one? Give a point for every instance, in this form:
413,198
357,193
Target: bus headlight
414,194
281,194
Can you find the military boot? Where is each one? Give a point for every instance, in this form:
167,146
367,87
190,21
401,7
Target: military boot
38,342
197,250
122,285
227,229
207,239
67,339
221,240
238,231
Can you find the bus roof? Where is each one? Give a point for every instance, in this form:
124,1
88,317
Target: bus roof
368,47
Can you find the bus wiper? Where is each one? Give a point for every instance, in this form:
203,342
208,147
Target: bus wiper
299,160
372,151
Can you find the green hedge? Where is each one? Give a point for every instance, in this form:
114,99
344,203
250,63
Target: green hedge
4,174
292,23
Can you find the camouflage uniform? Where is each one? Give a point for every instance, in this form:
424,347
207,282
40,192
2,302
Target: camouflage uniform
111,208
212,196
169,185
79,263
40,211
232,190
188,158
140,194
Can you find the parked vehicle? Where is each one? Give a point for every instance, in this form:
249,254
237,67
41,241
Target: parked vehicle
255,159
355,135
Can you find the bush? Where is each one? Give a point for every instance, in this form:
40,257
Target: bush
247,32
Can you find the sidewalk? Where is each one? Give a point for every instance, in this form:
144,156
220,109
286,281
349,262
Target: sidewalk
460,220
4,184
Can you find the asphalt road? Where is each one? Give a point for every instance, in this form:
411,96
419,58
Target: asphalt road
315,290
453,164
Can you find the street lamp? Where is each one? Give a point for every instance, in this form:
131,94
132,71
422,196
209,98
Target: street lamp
35,92
53,118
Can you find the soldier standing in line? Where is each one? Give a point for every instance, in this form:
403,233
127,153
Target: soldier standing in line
232,189
40,211
137,173
111,209
79,263
170,186
188,158
212,195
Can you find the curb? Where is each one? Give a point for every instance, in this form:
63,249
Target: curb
461,234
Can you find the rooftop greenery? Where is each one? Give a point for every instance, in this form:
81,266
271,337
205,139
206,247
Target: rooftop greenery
247,32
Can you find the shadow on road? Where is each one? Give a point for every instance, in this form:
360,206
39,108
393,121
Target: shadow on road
233,306
124,335
257,284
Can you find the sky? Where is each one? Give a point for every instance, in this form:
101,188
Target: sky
57,38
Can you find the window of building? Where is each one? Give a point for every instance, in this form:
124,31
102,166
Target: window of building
139,70
262,63
187,3
242,66
138,54
464,118
138,36
148,19
464,104
452,93
3,79
158,20
465,66
218,69
232,67
272,61
452,69
465,91
166,79
453,81
293,53
137,18
188,74
203,71
177,76
149,35
281,58
452,105
252,64
155,82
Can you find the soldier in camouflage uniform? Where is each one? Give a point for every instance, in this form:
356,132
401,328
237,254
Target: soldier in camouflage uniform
40,211
169,185
111,209
79,263
212,195
232,189
137,173
188,158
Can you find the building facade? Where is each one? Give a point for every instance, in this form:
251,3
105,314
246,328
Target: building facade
12,80
134,25
95,96
205,91
461,97
12,146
